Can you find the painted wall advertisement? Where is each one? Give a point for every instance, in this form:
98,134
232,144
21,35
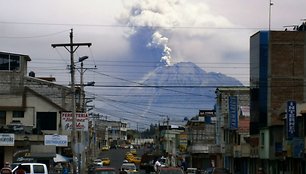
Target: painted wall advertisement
80,118
56,140
233,112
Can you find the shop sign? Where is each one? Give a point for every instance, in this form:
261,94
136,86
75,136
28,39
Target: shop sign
56,140
291,119
233,112
7,139
81,120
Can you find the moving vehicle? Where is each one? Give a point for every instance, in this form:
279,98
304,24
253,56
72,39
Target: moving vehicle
33,168
104,170
98,162
129,167
106,161
105,148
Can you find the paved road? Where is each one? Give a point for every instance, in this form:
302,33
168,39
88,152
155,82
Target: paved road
117,156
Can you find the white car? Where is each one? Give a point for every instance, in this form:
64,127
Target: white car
129,167
33,168
98,162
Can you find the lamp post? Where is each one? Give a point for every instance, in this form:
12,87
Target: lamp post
82,109
81,59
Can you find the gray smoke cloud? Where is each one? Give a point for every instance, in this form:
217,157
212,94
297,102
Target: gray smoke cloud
154,17
181,31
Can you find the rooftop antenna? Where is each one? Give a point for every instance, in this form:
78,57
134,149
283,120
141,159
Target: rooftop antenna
270,5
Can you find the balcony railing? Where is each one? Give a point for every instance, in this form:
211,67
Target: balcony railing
200,148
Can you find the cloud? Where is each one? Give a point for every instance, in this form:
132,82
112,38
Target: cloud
178,30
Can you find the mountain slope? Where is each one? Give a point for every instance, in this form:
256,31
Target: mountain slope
176,91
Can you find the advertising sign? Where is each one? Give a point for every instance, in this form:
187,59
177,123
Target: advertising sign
56,140
81,121
291,119
7,139
233,112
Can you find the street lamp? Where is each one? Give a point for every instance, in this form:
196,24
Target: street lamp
81,59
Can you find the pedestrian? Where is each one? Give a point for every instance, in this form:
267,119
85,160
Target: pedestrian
260,171
157,165
122,171
20,170
6,169
58,168
65,169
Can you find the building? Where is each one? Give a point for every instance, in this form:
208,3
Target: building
277,77
110,133
30,108
203,150
232,130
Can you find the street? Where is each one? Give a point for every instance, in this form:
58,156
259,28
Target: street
117,156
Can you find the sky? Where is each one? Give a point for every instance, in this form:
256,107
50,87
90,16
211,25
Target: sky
130,38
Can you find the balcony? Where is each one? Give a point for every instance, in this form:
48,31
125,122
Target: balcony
242,150
208,148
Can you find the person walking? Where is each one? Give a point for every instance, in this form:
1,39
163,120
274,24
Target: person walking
65,169
20,170
6,169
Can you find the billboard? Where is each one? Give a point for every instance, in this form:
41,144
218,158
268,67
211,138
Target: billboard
291,119
7,139
56,140
233,112
80,118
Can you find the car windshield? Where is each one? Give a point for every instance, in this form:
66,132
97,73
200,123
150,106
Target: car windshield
128,167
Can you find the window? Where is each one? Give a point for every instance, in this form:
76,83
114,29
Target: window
18,114
9,62
2,117
262,137
46,121
39,169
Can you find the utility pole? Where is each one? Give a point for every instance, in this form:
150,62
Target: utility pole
71,48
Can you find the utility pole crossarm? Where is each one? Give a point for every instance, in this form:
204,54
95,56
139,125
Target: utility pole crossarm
68,44
71,45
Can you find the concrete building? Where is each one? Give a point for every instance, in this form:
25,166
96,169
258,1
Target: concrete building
30,108
277,78
110,133
202,147
232,130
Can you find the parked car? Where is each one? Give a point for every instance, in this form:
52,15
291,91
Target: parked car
33,168
216,170
170,170
104,170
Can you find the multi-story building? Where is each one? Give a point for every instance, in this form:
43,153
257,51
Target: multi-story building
110,133
232,129
201,143
30,108
277,77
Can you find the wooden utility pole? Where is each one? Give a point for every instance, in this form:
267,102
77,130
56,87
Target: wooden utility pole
71,48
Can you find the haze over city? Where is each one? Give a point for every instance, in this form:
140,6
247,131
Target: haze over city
132,38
